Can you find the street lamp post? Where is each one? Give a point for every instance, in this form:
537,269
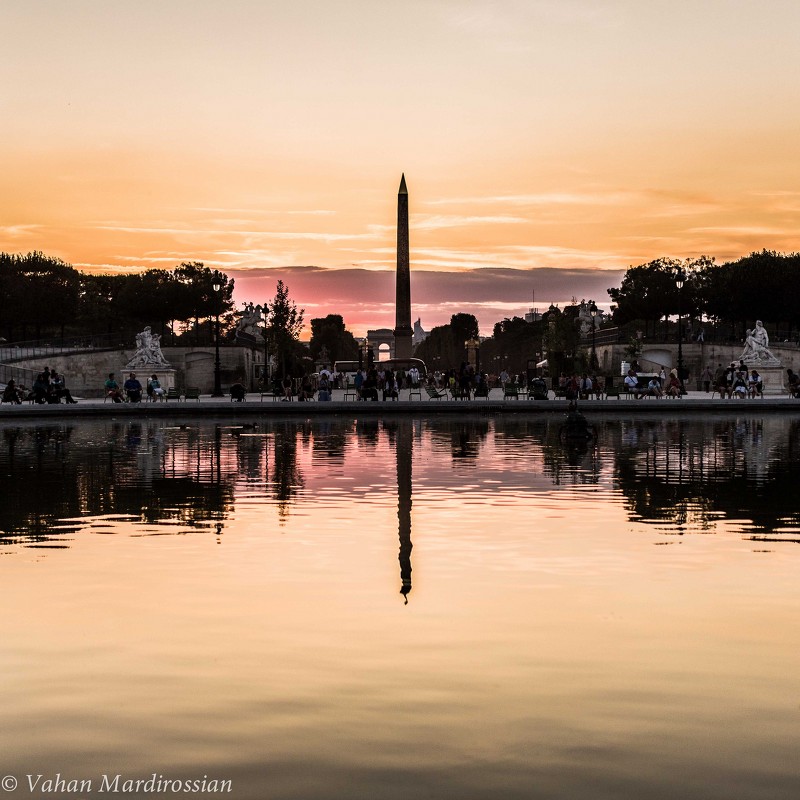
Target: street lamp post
217,382
593,364
680,279
472,346
265,382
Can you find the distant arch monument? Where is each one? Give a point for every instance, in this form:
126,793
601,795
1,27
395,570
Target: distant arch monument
381,337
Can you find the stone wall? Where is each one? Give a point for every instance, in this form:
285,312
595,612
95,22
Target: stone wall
85,373
695,358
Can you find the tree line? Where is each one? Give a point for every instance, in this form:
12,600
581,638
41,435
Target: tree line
42,296
762,285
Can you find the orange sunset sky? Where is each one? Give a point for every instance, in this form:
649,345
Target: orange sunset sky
547,144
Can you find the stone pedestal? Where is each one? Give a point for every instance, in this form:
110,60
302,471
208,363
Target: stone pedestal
772,378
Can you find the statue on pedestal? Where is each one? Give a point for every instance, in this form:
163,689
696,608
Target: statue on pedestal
249,328
756,347
148,350
585,318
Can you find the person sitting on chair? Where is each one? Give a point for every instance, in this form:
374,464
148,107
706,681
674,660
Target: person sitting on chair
59,388
369,389
654,387
739,386
324,387
793,379
112,388
632,384
674,385
755,384
11,394
41,387
306,388
238,392
133,389
154,389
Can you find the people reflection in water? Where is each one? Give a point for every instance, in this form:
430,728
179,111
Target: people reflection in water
576,426
287,477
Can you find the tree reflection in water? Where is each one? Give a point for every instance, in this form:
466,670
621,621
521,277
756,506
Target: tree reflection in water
54,477
287,478
683,473
689,470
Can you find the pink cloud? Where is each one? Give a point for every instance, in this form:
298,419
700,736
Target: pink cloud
365,298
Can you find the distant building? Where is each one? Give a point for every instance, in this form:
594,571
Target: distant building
533,315
420,335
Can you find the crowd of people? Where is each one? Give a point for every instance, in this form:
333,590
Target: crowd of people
132,390
378,382
735,380
661,385
48,387
580,387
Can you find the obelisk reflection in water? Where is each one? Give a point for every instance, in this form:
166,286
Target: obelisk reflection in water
404,446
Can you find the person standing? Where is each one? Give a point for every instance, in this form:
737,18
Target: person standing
707,377
358,383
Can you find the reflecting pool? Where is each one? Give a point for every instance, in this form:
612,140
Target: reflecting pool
467,608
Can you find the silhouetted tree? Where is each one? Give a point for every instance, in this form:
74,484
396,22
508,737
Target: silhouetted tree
330,332
444,347
284,323
513,342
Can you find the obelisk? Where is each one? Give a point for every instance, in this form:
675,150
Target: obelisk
403,332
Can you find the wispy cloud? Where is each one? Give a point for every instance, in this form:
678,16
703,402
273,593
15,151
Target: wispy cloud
777,193
745,230
261,212
435,223
319,212
195,232
19,231
541,199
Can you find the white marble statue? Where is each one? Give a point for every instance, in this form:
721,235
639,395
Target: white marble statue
587,321
756,347
148,350
251,322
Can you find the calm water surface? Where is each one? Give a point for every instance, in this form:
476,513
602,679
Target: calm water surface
390,609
